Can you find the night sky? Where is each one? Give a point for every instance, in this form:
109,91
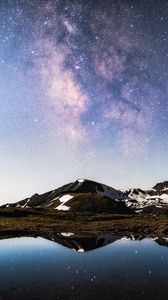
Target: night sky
83,94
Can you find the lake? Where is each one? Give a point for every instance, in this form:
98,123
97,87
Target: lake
67,266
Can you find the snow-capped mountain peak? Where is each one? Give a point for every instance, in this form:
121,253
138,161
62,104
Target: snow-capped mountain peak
76,194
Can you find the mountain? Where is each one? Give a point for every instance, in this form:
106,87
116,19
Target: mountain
159,189
81,195
87,195
154,200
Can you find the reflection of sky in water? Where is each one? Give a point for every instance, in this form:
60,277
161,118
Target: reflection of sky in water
34,265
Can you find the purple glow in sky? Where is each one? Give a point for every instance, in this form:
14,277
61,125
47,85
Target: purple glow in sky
83,93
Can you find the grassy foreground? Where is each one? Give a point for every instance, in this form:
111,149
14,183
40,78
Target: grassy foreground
25,221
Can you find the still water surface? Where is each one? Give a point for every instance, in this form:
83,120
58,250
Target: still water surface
38,268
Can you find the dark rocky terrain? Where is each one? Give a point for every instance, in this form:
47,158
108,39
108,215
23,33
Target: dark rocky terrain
87,195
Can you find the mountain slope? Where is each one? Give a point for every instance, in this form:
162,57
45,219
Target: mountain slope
151,201
81,195
87,195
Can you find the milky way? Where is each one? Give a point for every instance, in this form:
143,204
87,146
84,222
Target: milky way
86,77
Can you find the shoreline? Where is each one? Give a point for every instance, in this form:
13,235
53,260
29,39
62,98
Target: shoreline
127,226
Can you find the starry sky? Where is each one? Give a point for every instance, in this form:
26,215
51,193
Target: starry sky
83,94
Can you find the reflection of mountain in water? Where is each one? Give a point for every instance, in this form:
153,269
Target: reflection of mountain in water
84,243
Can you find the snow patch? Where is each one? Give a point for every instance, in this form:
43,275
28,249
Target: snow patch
164,197
141,200
81,180
80,250
125,238
24,205
53,191
63,200
52,201
67,234
139,211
